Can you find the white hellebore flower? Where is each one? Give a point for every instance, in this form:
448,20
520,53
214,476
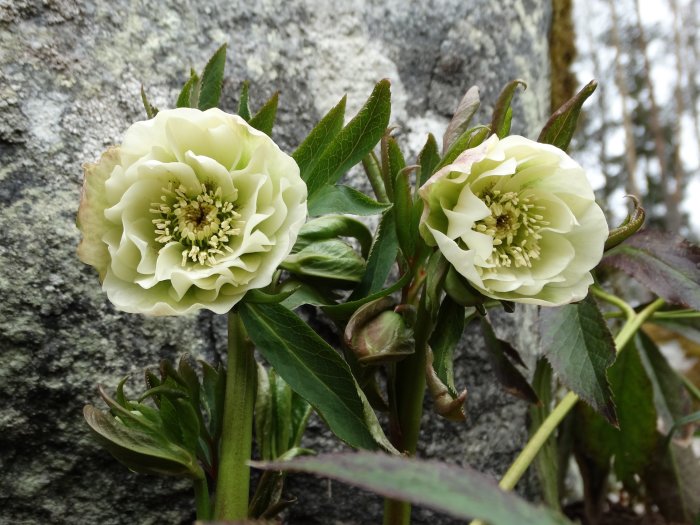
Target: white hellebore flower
518,220
192,211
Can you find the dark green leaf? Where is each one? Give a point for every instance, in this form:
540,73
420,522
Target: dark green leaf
428,158
264,432
309,151
189,95
633,223
344,199
461,492
315,371
447,333
577,342
673,482
406,221
140,450
151,111
264,119
670,397
466,109
305,294
509,376
282,412
435,271
546,462
301,411
382,257
502,111
213,389
561,125
329,259
396,160
331,226
469,139
665,263
258,296
212,80
243,107
354,141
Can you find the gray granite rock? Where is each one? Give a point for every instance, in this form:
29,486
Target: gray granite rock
70,73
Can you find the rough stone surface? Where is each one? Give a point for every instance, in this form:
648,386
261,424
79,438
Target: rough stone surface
70,73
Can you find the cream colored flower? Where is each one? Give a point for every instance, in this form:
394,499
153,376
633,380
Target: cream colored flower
191,211
518,220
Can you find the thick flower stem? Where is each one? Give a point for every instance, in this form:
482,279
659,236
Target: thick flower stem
237,434
201,499
409,393
539,438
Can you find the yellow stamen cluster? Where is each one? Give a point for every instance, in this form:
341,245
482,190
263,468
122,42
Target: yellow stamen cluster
514,224
203,223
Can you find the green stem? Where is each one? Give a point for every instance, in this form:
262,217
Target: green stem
539,438
626,309
409,393
233,482
374,174
201,498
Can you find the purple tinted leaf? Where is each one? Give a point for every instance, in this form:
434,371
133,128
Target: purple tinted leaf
663,262
466,109
561,125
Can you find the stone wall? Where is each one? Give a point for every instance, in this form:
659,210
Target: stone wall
70,73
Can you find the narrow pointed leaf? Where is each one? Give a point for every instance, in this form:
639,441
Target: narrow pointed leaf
188,96
151,110
264,119
446,335
508,375
406,225
428,158
316,372
469,139
309,151
354,141
466,109
212,80
345,310
461,492
562,124
578,344
243,107
382,257
502,111
344,199
331,226
665,263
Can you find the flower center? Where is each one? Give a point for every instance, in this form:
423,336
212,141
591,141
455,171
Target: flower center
514,224
203,223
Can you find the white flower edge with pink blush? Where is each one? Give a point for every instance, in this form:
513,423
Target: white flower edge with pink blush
517,219
193,210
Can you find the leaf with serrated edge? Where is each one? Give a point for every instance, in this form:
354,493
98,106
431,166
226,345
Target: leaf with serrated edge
264,119
447,333
316,372
354,141
578,344
500,122
561,125
466,109
461,492
184,100
344,199
428,158
212,80
243,108
663,262
309,151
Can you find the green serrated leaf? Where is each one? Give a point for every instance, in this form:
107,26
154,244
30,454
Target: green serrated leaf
316,371
663,262
461,492
428,159
562,124
406,223
328,259
331,226
151,111
502,111
578,344
264,119
354,141
243,108
344,199
382,257
444,339
189,94
212,80
309,151
508,375
466,110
